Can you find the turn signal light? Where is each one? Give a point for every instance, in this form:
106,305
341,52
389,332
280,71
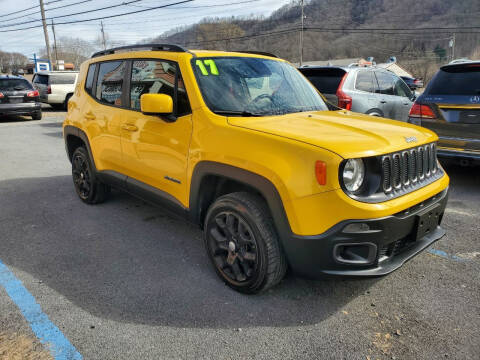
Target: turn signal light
321,172
33,93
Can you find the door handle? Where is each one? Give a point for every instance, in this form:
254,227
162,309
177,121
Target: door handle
383,101
129,127
89,116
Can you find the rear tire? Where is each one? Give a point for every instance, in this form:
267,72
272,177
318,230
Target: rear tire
89,189
242,243
65,104
37,115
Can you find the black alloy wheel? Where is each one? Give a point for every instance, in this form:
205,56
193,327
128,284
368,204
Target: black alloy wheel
89,189
81,176
234,248
242,243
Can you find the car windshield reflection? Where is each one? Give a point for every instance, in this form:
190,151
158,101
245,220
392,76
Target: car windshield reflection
246,86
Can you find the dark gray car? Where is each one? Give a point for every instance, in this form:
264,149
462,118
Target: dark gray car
18,97
450,106
368,90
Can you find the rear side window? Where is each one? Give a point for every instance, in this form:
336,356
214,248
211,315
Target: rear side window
62,79
325,80
457,80
385,83
401,89
14,84
158,77
110,82
365,81
90,77
40,79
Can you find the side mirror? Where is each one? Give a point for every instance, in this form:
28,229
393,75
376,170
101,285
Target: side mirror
157,105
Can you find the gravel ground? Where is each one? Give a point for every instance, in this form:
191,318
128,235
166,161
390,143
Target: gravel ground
123,280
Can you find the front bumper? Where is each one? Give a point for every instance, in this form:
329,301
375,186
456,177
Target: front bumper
370,247
20,108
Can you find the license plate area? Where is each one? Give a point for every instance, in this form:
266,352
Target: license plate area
15,99
427,221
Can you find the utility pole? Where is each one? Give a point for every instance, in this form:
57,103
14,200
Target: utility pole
103,36
301,36
45,32
55,45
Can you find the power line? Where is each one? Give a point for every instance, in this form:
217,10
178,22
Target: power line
73,14
101,17
30,8
181,17
202,6
289,30
54,8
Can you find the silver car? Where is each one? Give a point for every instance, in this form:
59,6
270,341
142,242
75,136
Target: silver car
369,90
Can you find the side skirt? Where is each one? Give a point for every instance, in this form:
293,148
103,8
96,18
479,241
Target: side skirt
144,192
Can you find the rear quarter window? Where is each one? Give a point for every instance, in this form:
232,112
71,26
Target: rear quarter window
40,79
461,80
326,81
365,81
90,78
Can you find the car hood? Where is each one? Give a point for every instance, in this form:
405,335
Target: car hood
345,133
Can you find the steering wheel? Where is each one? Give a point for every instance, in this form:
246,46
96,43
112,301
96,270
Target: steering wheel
257,99
260,97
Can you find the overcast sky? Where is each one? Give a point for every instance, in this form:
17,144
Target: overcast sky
128,28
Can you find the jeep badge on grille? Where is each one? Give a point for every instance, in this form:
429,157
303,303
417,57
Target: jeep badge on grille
410,139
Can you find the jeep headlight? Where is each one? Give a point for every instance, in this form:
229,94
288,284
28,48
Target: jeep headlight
353,174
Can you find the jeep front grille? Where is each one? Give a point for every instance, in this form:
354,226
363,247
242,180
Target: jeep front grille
405,169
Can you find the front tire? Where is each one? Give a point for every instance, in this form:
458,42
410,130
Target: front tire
89,189
242,243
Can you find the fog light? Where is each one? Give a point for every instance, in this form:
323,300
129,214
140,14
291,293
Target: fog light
356,253
356,228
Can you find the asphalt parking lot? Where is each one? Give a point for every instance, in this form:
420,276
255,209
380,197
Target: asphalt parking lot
124,280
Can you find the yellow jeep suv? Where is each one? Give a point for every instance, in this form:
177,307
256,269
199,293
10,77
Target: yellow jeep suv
244,146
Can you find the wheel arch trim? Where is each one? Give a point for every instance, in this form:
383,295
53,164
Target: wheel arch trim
264,186
70,130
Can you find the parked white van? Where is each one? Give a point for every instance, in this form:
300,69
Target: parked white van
55,87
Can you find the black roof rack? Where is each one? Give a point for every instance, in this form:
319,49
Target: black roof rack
152,47
256,53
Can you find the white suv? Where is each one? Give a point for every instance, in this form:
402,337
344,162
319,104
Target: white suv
55,87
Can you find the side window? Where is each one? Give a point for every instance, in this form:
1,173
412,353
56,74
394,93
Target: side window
364,81
385,83
157,77
89,80
110,82
401,89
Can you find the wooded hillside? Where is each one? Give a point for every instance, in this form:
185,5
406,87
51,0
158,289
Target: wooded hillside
343,29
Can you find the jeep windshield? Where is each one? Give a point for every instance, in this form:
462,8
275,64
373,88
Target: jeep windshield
248,86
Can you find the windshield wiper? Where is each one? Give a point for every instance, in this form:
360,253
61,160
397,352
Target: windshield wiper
235,113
